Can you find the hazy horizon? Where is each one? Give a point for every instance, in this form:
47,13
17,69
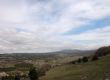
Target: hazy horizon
53,25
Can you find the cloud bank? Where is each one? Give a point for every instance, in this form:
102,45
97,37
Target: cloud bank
51,25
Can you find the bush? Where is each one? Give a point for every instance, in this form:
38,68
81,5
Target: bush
94,58
17,77
79,60
85,59
33,74
72,62
8,78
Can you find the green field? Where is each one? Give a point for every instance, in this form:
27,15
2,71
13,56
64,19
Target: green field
93,70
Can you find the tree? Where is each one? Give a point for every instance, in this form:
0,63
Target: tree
3,78
79,60
17,77
94,58
8,78
85,59
33,74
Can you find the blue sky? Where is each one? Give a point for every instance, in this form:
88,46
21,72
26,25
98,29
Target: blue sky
92,24
52,25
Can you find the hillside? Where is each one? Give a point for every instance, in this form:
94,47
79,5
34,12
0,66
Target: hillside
93,70
103,51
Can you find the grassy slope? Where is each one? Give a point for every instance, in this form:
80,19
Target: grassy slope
97,70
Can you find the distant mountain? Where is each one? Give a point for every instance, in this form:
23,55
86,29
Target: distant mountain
56,54
76,52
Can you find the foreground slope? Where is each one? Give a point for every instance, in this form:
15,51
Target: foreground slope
93,70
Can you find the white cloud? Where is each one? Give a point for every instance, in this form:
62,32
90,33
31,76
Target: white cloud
92,39
41,24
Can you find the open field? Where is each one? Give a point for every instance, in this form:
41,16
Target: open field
96,70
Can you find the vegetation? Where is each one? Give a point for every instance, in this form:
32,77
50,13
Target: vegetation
33,74
17,77
85,59
94,58
79,60
103,51
86,67
96,70
24,65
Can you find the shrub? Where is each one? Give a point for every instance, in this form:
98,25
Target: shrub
94,58
79,60
85,59
33,74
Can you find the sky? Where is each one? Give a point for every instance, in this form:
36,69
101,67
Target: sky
53,25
